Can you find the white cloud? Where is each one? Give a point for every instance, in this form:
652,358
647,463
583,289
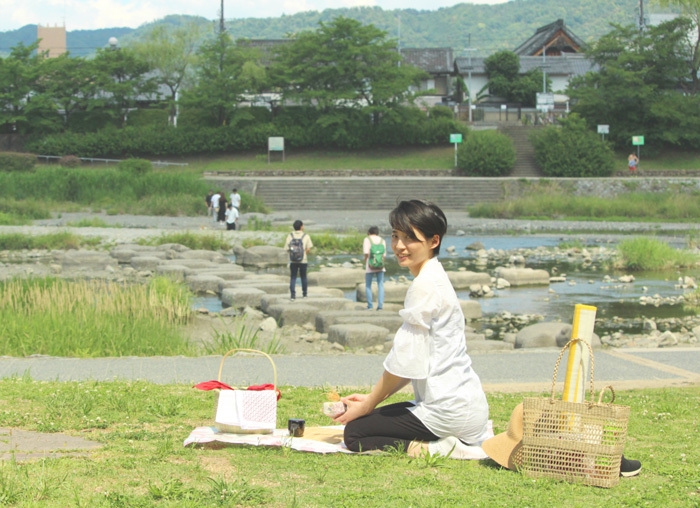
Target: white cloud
92,14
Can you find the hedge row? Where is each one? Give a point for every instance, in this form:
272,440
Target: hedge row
350,130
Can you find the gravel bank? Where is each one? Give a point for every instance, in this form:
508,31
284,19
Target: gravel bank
127,228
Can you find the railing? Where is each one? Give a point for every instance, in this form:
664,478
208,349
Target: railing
92,160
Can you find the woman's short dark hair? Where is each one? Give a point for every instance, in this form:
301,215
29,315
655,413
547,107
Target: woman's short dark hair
373,230
297,225
422,215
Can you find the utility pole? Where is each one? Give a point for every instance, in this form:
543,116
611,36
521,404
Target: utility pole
544,72
469,76
398,40
222,28
641,15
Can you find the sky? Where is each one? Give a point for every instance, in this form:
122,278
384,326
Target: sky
93,14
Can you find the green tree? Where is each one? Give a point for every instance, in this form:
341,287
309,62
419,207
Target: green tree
70,83
637,72
505,80
171,53
124,79
18,78
344,64
691,10
225,72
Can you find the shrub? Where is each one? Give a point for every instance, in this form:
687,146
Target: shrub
644,253
136,166
486,153
572,150
69,161
13,161
441,112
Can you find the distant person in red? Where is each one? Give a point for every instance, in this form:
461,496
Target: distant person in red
632,162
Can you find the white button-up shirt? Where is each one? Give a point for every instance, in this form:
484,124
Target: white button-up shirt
430,350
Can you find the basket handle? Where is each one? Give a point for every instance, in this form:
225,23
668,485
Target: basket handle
602,392
561,354
240,350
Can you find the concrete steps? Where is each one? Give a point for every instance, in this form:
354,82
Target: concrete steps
374,193
525,165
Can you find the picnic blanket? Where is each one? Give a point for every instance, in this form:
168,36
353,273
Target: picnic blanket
316,439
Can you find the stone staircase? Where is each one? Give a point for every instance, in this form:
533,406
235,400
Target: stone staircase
371,193
525,166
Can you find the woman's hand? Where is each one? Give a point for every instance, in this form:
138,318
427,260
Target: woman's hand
357,405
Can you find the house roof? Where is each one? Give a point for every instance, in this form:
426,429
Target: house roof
432,60
565,65
556,37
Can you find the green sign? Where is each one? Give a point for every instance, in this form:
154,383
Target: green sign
455,138
637,140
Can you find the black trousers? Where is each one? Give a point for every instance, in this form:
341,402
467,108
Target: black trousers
301,269
387,426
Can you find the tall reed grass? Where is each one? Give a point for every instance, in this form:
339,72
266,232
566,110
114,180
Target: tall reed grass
667,206
165,192
191,240
333,243
92,318
643,253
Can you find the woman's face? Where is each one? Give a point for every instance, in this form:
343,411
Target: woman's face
410,253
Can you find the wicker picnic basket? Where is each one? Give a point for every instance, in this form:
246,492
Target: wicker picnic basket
246,411
578,442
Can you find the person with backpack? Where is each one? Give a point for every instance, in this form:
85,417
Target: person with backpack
374,249
298,244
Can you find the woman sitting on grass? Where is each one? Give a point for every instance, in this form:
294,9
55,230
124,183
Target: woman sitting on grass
450,411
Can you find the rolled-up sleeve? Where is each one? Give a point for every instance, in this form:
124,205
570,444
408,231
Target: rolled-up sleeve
409,357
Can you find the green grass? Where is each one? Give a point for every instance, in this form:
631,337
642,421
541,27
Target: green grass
94,222
240,335
326,243
630,207
142,462
644,253
93,318
62,240
191,240
388,159
667,160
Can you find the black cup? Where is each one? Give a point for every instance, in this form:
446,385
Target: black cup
296,427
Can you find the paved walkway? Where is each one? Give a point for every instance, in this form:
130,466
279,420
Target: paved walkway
511,371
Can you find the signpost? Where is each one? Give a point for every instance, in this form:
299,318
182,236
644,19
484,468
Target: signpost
275,144
603,130
637,141
456,139
545,101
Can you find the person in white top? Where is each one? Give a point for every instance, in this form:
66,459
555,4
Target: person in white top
235,199
450,413
377,270
215,205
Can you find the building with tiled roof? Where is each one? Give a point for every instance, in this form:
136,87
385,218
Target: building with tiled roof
554,39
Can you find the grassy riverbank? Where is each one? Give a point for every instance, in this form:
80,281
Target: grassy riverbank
143,463
545,204
93,318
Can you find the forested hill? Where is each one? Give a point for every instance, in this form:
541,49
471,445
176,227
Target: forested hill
488,28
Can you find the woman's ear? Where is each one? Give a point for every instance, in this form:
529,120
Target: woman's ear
434,241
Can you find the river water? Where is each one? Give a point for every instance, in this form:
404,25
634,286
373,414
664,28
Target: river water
584,285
